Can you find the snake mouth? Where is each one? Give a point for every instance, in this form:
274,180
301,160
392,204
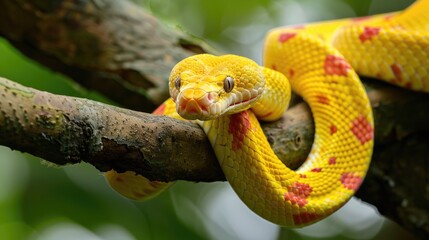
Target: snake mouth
192,106
239,104
243,102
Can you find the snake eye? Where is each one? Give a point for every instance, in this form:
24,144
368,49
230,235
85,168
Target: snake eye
228,84
177,83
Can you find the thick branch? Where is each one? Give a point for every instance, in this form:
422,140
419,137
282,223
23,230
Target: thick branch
66,130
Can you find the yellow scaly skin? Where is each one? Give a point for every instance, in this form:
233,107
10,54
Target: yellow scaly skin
392,47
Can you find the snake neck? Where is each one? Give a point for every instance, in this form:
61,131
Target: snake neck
276,96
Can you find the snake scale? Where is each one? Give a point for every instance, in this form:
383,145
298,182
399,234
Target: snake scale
226,95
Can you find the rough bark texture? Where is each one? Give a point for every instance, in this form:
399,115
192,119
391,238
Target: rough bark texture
118,49
66,130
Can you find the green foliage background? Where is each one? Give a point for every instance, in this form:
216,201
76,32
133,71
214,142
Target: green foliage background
38,201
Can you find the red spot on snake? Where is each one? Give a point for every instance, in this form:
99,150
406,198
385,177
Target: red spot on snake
333,129
323,99
301,175
351,181
286,36
332,160
368,33
291,72
298,193
336,65
159,110
274,67
397,71
362,129
304,218
239,125
316,169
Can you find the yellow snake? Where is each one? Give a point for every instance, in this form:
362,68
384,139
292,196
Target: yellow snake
319,61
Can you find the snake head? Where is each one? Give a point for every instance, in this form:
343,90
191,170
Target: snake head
206,86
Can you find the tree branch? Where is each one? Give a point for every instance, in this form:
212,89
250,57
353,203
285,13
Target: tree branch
67,130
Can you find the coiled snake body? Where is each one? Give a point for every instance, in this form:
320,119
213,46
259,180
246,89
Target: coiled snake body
320,61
